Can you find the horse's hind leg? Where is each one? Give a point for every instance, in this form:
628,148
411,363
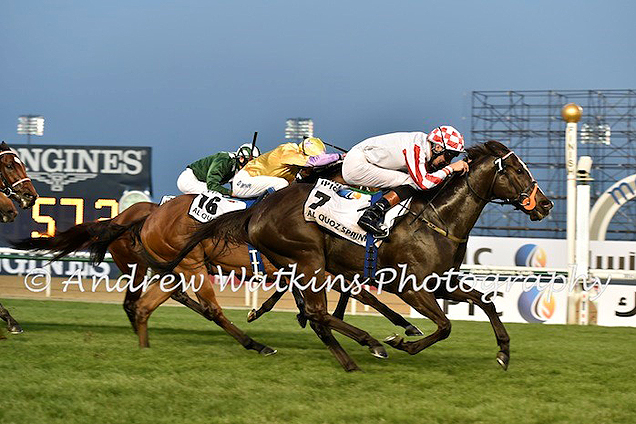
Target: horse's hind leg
301,317
12,325
267,306
183,298
316,310
503,339
207,297
147,303
341,307
424,303
124,256
334,347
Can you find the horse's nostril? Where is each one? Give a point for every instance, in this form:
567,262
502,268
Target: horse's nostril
546,204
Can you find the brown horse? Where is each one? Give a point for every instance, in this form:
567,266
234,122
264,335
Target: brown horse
8,212
15,181
431,239
14,184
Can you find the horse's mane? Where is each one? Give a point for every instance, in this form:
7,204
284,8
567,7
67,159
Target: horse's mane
489,148
481,150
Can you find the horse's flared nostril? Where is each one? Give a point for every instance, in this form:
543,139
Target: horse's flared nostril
546,204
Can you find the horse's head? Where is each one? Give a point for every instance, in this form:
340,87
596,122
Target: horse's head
509,179
16,183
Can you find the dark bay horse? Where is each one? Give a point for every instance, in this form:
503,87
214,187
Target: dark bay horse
430,239
14,184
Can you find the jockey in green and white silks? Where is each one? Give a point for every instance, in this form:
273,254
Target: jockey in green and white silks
212,172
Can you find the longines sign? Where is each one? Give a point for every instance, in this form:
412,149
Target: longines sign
61,166
77,184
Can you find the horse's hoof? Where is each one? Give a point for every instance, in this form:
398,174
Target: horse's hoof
503,360
268,351
393,340
378,352
251,315
352,367
302,320
15,329
412,330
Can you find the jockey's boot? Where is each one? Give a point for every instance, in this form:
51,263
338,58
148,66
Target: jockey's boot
372,220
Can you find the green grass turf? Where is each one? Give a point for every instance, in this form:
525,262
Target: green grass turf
79,362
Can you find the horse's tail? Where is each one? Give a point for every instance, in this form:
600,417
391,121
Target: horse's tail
230,228
92,236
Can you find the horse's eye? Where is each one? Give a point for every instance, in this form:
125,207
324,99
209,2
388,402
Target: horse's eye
519,171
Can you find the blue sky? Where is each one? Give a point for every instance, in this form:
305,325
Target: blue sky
191,78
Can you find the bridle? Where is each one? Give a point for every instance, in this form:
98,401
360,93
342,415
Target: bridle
9,188
527,198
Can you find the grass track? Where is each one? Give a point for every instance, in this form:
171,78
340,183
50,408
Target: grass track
79,362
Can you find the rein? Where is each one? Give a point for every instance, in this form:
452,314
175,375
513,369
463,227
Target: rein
524,200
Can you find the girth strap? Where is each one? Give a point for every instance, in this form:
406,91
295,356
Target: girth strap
443,232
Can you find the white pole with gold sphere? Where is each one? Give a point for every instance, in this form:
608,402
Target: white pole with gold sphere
571,114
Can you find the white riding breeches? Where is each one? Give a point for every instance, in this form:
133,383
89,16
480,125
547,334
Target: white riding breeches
187,183
245,186
358,171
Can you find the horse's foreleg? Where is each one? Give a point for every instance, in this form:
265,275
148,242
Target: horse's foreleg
503,339
424,303
12,325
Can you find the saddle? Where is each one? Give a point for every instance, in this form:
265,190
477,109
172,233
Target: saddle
338,207
212,204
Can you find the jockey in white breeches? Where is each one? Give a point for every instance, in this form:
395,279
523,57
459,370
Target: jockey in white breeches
403,162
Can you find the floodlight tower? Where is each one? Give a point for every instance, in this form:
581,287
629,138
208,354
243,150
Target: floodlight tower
31,125
296,129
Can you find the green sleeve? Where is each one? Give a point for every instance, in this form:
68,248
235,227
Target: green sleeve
221,170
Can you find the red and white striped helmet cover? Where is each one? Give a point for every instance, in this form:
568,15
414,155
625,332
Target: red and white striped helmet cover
448,137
